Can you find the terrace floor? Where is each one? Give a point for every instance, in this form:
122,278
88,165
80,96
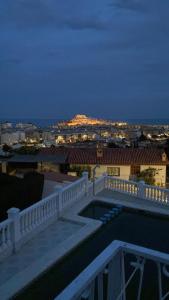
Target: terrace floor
35,256
132,201
58,239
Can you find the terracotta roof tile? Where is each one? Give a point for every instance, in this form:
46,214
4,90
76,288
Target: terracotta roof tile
111,156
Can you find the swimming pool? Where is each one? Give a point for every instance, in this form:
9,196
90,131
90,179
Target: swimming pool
131,226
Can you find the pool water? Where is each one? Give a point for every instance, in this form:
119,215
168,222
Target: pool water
96,210
131,226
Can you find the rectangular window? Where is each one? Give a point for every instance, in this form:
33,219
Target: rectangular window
135,170
113,171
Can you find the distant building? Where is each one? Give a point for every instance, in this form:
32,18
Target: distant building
26,126
83,120
6,125
12,137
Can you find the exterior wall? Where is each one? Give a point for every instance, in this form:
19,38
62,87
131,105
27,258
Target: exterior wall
124,171
48,166
160,178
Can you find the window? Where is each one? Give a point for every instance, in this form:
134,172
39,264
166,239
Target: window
113,171
135,169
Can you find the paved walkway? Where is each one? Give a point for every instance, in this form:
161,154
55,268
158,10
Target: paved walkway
35,256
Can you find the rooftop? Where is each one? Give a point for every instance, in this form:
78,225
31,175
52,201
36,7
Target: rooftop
110,156
59,158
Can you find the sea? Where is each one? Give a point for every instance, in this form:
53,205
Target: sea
49,122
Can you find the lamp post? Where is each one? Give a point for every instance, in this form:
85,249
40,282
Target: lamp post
99,155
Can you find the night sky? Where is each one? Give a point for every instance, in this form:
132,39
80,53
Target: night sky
107,58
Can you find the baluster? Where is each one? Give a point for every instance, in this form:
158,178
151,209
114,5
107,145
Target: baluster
52,209
47,209
38,214
158,195
8,240
26,222
21,224
31,219
100,286
3,237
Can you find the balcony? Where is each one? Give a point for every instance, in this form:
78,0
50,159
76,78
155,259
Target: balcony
34,239
105,278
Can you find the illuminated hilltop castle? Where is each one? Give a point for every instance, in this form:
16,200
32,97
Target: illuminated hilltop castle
80,120
83,120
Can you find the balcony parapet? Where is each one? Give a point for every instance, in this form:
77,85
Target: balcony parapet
21,226
110,266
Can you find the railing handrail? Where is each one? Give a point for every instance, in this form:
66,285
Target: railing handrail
85,279
156,187
124,180
87,276
22,223
148,253
138,182
68,187
5,223
39,203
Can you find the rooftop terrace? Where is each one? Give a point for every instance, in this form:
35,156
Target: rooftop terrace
33,240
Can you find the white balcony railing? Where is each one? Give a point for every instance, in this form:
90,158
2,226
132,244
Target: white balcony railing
5,237
117,184
137,189
22,226
105,278
73,192
36,214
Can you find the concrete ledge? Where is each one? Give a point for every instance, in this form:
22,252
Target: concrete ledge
27,275
149,208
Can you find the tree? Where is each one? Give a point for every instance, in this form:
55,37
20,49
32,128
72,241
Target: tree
27,150
148,175
80,169
112,145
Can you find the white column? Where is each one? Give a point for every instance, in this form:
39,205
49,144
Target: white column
13,214
141,189
105,180
85,176
60,205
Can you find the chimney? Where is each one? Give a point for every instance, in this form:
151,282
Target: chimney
164,157
99,151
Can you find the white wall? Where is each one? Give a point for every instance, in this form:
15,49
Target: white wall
160,178
124,170
48,167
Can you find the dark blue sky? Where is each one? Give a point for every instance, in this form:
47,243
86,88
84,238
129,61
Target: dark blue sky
101,57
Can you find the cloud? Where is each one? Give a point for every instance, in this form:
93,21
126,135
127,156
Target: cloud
69,52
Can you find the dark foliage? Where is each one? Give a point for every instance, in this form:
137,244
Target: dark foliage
27,150
20,193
